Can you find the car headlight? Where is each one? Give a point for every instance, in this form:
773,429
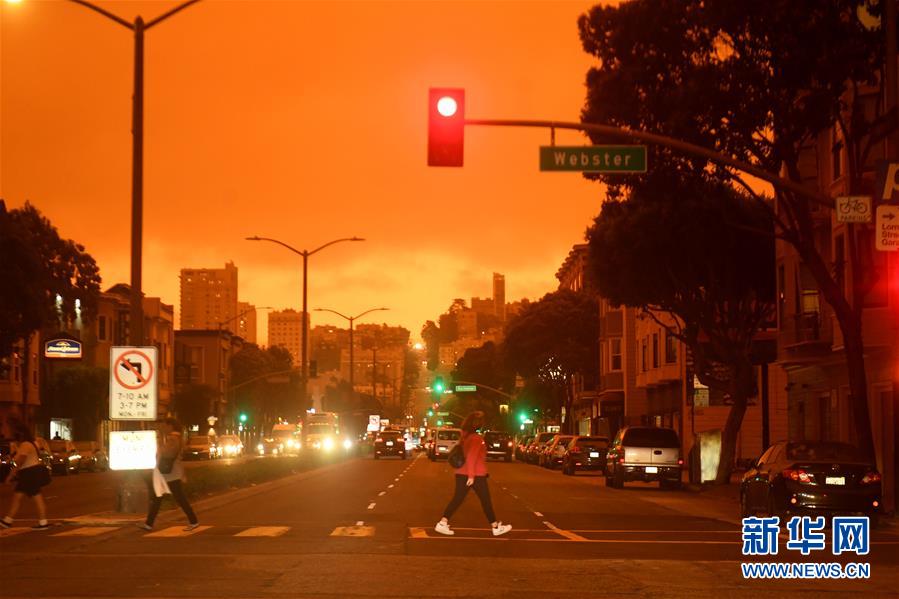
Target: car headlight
290,443
328,443
260,448
347,444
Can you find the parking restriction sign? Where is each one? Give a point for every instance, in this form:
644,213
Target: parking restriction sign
132,383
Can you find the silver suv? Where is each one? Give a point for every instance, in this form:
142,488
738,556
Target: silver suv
645,454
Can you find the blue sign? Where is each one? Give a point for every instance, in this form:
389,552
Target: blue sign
63,348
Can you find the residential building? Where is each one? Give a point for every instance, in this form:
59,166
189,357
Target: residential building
209,298
202,358
285,329
245,322
483,305
12,379
499,296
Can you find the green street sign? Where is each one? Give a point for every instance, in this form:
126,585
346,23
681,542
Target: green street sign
443,413
466,388
593,159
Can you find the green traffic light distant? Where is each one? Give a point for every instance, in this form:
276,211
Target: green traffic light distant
243,417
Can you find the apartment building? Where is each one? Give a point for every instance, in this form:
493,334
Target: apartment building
209,298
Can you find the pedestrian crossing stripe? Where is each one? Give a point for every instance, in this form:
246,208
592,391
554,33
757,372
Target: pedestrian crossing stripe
87,531
263,531
176,531
353,531
11,532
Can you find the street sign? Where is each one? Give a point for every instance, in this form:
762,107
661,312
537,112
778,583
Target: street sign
132,383
886,182
466,388
374,423
443,413
593,159
68,349
887,228
854,209
132,450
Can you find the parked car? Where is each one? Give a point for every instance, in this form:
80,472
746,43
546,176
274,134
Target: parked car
811,477
644,454
64,457
229,446
536,446
555,451
522,446
43,452
390,443
199,447
93,457
499,445
585,453
445,440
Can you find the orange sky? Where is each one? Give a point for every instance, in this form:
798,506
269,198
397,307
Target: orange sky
302,121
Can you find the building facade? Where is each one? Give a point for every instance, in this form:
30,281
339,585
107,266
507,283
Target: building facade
245,322
499,296
285,330
209,298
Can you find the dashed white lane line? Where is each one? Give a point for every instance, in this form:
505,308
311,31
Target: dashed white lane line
389,486
371,505
382,493
538,514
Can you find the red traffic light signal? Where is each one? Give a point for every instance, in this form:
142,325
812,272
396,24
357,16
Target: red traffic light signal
446,126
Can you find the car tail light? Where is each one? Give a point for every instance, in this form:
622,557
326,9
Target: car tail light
870,478
680,462
379,440
621,460
510,444
799,475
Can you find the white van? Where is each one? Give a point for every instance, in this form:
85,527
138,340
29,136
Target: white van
447,438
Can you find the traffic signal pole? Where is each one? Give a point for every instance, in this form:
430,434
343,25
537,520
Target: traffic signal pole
668,142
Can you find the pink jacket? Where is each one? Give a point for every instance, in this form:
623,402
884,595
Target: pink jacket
475,455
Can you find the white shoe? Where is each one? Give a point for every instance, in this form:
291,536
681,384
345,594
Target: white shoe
501,529
444,528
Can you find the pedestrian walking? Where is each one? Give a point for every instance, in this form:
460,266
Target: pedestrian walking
472,474
168,476
30,475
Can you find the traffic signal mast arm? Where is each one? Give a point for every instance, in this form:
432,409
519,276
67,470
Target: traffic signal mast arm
488,387
669,142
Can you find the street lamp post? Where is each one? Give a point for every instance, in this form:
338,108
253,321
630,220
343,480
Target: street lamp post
303,337
352,319
136,312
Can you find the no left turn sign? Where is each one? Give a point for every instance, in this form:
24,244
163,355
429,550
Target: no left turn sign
132,383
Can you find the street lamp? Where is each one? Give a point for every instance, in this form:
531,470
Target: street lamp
351,319
305,254
136,312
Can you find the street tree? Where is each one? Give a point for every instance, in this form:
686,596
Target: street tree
56,281
691,249
80,392
554,339
758,82
264,382
485,365
194,403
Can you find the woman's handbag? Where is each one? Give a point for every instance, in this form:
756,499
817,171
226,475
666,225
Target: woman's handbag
165,465
456,456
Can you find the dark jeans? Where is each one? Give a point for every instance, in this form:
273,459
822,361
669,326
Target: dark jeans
482,491
178,494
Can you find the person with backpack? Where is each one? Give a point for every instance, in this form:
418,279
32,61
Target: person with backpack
471,473
30,476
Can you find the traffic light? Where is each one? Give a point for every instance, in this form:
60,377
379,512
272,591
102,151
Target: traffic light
430,413
438,385
243,417
446,126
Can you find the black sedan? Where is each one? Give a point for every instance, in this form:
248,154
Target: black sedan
499,445
390,443
585,453
811,478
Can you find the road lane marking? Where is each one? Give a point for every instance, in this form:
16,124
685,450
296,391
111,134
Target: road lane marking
353,531
360,523
86,531
418,533
389,486
11,532
565,533
382,493
176,531
263,531
538,514
371,505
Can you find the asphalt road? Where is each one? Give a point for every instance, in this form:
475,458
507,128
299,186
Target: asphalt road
365,528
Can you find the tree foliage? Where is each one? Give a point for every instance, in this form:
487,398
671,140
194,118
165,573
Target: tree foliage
554,339
80,392
695,250
485,365
756,82
194,403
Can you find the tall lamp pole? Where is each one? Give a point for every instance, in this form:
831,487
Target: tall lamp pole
304,333
136,311
351,319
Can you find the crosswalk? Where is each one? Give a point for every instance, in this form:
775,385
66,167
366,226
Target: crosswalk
173,532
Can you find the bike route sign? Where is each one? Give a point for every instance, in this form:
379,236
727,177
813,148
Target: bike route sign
887,228
133,383
854,209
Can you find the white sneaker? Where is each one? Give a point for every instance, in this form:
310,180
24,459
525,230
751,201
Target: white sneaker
501,529
444,528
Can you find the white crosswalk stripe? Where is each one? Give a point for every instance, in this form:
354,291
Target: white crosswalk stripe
87,531
176,531
263,531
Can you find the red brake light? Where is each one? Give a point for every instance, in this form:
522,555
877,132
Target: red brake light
510,444
680,462
871,478
621,460
798,475
378,440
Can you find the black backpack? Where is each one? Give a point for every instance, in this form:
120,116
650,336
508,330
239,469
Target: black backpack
456,456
